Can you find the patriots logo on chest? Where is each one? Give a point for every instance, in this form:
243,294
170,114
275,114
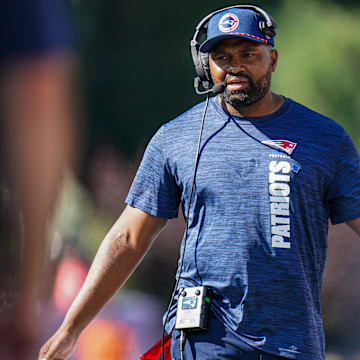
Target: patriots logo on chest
285,145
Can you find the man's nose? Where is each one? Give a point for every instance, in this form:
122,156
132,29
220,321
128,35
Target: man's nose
235,65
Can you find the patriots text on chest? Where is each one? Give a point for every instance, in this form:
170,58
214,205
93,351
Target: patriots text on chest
279,189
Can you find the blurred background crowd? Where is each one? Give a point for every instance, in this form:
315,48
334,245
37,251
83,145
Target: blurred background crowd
132,73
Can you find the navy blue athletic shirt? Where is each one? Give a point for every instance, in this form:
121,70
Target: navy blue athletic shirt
265,190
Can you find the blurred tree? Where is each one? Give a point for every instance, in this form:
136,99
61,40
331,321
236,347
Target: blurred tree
319,55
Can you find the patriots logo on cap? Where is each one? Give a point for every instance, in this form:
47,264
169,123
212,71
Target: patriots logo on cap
229,22
286,145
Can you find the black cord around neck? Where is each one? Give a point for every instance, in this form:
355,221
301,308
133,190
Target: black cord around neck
187,215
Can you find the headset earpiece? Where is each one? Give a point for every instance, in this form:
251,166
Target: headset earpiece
269,30
201,63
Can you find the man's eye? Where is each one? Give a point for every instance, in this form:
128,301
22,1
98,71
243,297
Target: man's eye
221,58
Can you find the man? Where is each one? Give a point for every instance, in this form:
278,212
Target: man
270,174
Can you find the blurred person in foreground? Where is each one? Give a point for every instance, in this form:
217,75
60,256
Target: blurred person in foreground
36,141
271,173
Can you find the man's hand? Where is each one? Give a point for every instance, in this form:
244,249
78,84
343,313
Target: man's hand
59,347
120,252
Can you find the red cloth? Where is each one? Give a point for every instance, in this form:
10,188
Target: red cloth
155,352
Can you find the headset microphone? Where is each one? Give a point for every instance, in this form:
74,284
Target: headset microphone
218,88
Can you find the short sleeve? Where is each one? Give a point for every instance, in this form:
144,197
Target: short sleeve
154,189
344,192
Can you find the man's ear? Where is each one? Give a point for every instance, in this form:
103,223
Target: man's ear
274,59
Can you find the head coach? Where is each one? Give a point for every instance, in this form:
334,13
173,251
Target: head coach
258,177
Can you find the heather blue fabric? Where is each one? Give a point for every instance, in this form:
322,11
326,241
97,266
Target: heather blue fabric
267,296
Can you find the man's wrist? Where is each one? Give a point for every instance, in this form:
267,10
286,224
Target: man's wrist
72,327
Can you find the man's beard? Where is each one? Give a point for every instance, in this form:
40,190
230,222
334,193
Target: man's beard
254,92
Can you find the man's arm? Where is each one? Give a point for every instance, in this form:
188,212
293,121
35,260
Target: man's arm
355,225
118,255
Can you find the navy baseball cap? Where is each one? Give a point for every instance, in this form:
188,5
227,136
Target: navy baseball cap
235,22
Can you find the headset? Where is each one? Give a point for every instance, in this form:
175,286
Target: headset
201,60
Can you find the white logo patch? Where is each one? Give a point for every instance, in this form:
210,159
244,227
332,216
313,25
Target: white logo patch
229,22
289,353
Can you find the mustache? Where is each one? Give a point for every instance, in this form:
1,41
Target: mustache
229,77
